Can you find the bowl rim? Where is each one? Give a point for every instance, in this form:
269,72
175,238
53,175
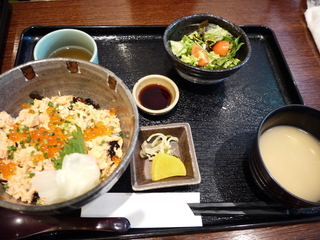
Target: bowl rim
177,21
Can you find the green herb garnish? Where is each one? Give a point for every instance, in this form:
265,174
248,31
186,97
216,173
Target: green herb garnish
75,144
31,174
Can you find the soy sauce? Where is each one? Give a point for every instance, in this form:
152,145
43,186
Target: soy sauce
155,97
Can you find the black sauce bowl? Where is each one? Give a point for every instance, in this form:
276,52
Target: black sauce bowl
300,116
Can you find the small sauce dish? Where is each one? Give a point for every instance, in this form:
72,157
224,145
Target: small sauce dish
155,94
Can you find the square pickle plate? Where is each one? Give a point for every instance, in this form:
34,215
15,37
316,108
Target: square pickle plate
184,149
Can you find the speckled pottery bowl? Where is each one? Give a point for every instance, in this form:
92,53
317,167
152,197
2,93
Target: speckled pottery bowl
61,76
188,24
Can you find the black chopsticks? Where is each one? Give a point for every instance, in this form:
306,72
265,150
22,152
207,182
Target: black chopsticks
249,208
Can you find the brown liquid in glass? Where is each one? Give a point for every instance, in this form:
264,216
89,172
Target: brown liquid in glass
72,52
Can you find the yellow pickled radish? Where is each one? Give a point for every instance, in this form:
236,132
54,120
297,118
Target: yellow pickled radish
165,165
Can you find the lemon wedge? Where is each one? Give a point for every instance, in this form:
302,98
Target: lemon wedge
165,165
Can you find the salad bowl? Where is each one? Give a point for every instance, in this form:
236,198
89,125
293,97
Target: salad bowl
187,25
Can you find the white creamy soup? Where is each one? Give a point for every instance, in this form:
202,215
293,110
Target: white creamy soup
292,156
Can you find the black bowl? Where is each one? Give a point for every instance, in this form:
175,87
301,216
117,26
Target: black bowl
300,116
186,25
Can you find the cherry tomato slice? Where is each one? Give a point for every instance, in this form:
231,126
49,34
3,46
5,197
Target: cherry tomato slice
197,51
221,48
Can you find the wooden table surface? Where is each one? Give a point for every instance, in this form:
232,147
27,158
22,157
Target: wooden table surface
284,17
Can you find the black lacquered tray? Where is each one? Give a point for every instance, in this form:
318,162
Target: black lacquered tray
223,118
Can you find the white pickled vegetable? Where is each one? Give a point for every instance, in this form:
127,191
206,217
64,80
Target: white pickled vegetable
79,174
161,144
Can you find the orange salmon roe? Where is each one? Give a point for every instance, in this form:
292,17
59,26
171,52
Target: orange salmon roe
37,158
8,169
49,141
25,106
18,133
98,130
112,112
116,159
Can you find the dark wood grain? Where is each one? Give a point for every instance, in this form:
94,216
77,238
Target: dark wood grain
285,18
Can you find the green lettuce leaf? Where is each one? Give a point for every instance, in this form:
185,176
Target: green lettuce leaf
76,144
206,38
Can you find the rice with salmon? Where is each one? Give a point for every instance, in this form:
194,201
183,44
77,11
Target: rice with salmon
37,144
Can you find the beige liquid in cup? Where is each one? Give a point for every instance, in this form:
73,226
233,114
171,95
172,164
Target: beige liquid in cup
72,52
292,156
